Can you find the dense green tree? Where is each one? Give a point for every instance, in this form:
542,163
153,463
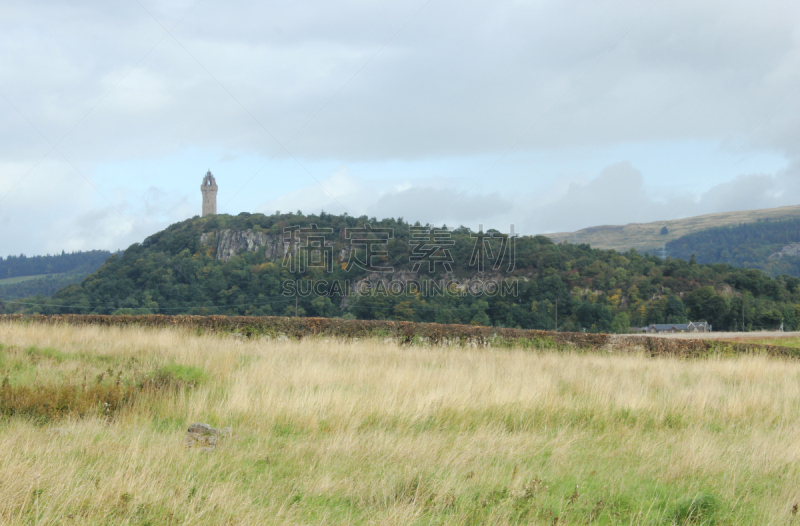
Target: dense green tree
621,323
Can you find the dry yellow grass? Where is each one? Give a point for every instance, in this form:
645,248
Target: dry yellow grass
370,432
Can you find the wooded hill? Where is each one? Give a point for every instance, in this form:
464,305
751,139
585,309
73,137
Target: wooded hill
22,276
235,266
752,245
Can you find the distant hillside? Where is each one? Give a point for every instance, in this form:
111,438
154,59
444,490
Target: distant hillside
22,265
240,266
649,237
766,245
22,276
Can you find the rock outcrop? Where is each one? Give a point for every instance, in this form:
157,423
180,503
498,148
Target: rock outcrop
229,243
788,250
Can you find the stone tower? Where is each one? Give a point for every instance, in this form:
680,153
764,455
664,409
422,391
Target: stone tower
209,189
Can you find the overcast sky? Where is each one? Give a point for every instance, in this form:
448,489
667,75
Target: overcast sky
551,115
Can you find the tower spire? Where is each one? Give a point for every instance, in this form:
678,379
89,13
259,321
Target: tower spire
209,190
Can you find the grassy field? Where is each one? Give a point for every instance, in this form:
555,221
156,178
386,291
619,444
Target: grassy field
20,279
374,433
790,341
647,236
779,338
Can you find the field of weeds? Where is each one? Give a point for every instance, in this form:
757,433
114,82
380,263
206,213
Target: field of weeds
93,421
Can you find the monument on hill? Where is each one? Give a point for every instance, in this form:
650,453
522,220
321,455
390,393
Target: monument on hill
209,189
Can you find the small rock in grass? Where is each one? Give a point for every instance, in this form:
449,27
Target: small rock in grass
204,436
202,429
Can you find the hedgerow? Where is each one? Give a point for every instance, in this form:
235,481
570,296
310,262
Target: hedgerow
420,333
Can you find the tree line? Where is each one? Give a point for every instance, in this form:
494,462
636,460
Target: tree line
573,287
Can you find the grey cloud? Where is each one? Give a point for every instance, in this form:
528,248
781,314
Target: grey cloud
613,197
134,216
438,202
618,196
457,79
439,205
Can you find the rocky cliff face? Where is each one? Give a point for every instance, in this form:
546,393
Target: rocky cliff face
788,250
229,243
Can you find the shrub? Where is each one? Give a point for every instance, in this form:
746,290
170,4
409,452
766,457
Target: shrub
45,403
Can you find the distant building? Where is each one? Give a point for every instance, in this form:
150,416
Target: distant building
666,328
209,189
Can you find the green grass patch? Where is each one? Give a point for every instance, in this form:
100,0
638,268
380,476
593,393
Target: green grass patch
698,509
20,279
168,424
178,376
793,342
543,342
47,353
